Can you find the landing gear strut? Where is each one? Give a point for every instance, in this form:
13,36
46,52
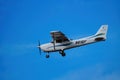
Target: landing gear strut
62,53
47,55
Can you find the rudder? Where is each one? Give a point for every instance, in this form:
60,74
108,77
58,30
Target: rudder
103,30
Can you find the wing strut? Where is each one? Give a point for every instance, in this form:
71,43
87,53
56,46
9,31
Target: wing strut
53,41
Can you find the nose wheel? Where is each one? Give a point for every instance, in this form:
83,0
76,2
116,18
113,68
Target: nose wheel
47,55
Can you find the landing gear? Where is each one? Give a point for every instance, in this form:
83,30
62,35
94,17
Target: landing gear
47,55
62,53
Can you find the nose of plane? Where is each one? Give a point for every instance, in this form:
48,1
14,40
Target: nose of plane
42,47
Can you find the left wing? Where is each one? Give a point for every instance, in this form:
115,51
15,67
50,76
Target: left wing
59,37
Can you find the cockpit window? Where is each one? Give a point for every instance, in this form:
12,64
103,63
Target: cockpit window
59,41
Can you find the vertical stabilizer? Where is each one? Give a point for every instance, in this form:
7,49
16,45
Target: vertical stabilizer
102,30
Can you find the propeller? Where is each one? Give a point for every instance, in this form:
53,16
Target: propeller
39,47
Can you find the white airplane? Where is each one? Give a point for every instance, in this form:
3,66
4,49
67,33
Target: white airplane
60,42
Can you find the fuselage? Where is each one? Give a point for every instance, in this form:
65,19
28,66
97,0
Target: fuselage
60,41
49,47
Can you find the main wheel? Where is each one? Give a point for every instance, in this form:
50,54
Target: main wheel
63,54
47,56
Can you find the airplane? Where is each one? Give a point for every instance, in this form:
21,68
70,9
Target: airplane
61,43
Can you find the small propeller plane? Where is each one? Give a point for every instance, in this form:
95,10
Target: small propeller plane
61,43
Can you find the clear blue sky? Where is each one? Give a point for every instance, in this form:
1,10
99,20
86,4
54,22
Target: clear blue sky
24,22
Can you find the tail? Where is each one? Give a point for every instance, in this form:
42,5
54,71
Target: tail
102,32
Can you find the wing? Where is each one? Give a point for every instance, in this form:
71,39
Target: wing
59,37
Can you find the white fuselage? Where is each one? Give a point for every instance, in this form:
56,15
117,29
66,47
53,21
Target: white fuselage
49,47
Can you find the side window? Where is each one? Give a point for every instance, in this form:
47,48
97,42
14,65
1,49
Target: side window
52,42
59,41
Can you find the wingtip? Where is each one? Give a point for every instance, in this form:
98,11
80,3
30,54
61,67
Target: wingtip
55,31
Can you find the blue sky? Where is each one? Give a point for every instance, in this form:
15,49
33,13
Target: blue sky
24,22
